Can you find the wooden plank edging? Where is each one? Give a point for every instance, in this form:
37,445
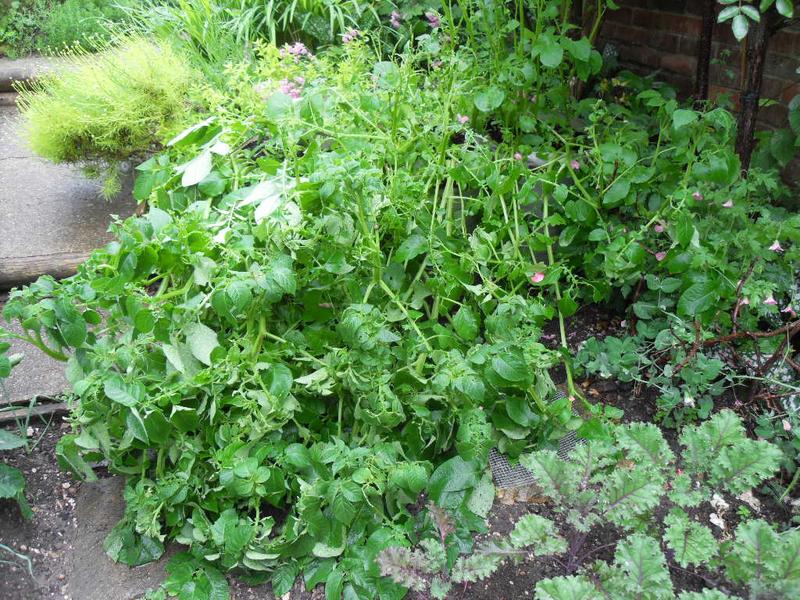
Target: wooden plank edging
23,270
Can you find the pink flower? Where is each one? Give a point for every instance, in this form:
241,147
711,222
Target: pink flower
537,277
350,36
659,228
395,19
776,246
698,196
786,425
296,50
660,256
770,301
728,203
433,19
517,156
744,301
462,119
789,310
293,89
575,164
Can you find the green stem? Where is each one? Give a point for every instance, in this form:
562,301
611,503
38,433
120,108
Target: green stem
561,325
393,297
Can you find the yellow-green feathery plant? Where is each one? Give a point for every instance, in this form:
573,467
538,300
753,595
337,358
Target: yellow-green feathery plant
107,107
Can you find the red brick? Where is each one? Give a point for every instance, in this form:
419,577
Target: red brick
790,92
774,88
776,115
679,63
785,42
657,20
624,15
781,66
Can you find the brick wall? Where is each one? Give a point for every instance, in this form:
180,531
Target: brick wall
664,34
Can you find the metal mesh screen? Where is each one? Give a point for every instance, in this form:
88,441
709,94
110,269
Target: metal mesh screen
508,476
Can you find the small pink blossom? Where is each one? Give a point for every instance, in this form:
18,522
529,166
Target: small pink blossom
433,19
395,19
575,165
537,277
294,88
296,50
744,301
776,246
770,301
698,196
789,310
350,36
786,425
517,156
463,119
660,256
659,228
728,203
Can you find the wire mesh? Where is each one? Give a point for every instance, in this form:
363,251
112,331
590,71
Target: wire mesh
508,476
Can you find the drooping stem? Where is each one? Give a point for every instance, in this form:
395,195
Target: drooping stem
557,286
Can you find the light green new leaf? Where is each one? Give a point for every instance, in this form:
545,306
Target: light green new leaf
9,441
692,542
567,588
118,390
202,341
536,531
12,485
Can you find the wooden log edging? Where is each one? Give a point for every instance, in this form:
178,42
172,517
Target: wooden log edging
26,269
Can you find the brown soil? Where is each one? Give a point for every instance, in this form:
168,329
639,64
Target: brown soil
44,540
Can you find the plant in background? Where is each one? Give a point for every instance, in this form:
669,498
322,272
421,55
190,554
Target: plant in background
48,26
12,481
107,107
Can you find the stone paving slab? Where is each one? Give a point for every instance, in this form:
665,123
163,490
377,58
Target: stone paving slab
92,575
36,375
45,208
24,69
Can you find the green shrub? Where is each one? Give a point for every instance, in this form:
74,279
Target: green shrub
108,106
83,22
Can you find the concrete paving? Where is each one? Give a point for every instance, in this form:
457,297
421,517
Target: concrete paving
45,208
92,574
36,375
13,71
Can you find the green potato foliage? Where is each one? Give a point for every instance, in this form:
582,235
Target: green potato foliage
336,298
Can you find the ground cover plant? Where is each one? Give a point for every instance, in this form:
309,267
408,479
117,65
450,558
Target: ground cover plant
634,488
335,299
109,107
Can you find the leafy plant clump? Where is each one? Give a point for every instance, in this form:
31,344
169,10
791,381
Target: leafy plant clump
630,487
107,107
48,26
336,299
281,352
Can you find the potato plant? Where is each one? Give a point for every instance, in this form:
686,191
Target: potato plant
335,299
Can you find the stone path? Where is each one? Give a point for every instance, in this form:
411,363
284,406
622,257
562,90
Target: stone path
46,208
